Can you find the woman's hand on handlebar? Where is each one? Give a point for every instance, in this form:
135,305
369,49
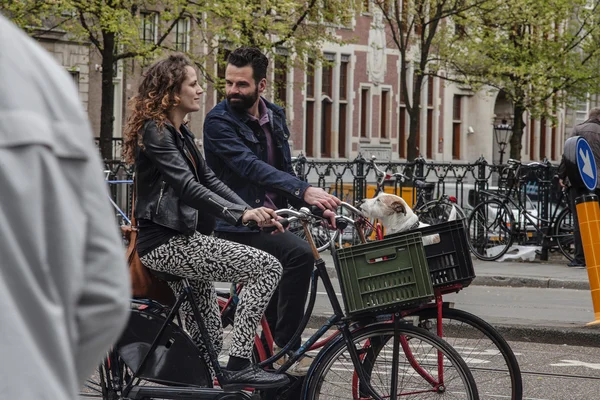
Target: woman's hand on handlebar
263,217
330,215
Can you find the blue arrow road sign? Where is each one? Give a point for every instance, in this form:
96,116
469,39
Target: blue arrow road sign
586,164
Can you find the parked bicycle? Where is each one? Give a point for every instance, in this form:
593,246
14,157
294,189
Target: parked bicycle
155,358
503,218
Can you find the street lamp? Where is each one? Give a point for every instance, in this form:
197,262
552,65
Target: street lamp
502,134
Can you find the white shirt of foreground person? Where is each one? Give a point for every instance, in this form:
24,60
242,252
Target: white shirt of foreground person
64,286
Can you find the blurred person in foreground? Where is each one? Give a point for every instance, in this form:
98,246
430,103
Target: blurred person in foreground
64,286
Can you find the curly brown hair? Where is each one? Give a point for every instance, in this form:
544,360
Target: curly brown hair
157,94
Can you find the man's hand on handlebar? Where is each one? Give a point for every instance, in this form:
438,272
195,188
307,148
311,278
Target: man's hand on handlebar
320,198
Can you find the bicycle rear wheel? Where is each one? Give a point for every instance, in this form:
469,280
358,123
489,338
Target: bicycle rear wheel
490,229
563,230
419,375
107,381
439,211
489,357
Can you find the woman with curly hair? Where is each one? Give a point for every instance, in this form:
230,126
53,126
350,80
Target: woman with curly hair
177,200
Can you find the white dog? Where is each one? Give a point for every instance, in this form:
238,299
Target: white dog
396,216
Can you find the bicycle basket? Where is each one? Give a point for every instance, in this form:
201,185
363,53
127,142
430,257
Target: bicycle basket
384,274
449,260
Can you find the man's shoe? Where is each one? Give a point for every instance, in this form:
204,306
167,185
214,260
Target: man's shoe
576,264
300,368
252,377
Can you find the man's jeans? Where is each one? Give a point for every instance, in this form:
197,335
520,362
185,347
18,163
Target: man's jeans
286,308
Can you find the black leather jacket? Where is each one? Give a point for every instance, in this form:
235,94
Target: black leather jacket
172,193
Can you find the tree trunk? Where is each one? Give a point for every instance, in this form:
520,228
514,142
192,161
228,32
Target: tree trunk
108,98
412,151
517,135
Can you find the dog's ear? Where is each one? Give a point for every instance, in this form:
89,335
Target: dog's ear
398,207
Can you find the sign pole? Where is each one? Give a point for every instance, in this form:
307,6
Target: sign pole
579,153
588,212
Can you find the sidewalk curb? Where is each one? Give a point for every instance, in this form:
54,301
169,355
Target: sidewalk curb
577,335
546,283
515,281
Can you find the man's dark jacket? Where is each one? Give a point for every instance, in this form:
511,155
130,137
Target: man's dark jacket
590,131
236,149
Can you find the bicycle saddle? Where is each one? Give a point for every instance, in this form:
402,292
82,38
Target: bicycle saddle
165,276
424,185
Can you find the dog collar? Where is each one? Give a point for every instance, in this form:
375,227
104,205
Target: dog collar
415,226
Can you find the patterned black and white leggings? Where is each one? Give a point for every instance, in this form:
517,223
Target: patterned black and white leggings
207,259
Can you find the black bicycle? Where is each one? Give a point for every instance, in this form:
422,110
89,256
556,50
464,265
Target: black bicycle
504,217
155,357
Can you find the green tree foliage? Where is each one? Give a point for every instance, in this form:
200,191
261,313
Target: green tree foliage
419,30
542,54
114,28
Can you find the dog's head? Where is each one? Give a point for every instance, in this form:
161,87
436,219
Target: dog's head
384,205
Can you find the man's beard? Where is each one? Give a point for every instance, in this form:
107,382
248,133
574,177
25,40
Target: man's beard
243,102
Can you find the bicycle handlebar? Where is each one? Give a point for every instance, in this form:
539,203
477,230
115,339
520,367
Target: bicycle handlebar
352,209
518,163
381,174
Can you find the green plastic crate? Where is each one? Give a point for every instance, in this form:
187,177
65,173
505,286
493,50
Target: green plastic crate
384,274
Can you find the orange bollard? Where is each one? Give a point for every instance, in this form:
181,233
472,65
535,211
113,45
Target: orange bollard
588,213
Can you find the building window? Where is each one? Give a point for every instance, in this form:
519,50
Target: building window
553,142
222,55
365,97
582,109
532,138
327,105
182,34
310,108
366,6
429,151
456,126
281,79
75,77
149,26
542,138
402,132
384,117
343,112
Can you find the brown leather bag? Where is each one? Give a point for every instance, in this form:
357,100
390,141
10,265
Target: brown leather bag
143,283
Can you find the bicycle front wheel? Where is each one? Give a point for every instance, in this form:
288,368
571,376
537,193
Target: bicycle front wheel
322,236
564,233
490,229
428,368
489,357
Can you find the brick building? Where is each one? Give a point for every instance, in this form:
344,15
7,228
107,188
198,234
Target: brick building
335,110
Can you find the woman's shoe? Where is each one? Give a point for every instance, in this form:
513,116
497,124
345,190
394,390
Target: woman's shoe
252,377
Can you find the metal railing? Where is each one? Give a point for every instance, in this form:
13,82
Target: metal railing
354,180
